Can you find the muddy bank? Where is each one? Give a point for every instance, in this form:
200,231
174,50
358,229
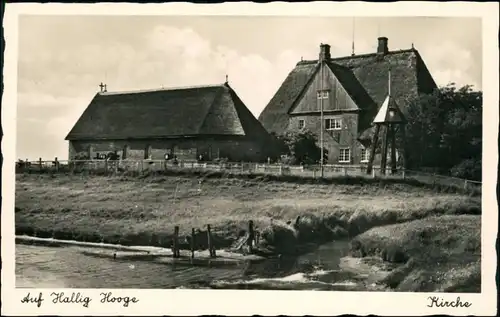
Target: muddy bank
154,239
292,237
436,254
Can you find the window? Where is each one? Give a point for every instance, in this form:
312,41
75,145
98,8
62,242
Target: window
364,155
345,155
323,94
333,124
302,124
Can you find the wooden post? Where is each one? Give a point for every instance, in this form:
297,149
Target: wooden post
393,149
40,163
175,249
192,243
404,151
251,236
89,153
345,171
403,173
211,248
465,184
383,161
372,150
373,172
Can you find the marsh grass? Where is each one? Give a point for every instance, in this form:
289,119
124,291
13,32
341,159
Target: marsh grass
144,210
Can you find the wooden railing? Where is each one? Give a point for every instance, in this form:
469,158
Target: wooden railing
314,171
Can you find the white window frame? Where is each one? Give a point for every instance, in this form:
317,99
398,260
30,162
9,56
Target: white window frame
323,94
365,158
336,126
303,124
341,157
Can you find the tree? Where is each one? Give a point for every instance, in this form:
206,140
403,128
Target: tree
444,130
301,148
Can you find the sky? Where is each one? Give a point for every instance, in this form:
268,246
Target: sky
63,59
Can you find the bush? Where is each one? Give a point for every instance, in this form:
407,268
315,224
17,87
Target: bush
469,169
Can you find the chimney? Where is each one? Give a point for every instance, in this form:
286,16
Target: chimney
324,52
382,45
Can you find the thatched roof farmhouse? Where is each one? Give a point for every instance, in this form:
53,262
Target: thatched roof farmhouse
352,88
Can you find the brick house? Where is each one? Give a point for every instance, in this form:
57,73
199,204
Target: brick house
210,121
350,90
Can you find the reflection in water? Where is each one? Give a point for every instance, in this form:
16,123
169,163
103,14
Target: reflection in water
67,267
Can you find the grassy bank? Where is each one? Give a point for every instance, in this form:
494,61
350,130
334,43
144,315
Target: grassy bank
144,210
438,253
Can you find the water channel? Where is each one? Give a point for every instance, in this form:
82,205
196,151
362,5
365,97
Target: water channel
67,267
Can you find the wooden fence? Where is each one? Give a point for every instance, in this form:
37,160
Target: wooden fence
310,171
245,244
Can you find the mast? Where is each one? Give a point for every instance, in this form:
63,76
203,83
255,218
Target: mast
389,83
353,30
321,117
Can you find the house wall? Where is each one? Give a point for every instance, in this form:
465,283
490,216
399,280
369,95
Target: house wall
235,149
333,140
338,105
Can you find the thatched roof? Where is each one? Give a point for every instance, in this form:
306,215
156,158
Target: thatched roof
166,113
363,76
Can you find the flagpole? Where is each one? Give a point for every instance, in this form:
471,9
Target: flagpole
322,120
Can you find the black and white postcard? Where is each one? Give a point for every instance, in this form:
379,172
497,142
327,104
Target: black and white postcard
250,159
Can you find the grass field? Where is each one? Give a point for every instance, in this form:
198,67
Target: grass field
144,210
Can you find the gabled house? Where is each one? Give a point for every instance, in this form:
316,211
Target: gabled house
348,91
210,121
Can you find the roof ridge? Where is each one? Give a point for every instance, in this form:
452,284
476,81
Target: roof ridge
112,93
333,59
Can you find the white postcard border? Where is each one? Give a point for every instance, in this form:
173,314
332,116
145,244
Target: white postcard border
240,302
